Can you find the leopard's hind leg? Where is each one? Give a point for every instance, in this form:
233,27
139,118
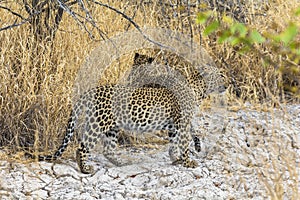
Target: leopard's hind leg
110,149
82,157
86,144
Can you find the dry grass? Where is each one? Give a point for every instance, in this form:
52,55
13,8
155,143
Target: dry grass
37,79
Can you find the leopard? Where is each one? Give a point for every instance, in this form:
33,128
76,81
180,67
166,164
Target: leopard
110,108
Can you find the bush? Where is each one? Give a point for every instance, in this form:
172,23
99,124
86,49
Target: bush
273,73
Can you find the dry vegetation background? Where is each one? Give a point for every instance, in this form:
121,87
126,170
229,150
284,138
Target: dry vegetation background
37,72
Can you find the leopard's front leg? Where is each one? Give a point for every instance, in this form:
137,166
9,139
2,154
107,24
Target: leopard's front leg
179,149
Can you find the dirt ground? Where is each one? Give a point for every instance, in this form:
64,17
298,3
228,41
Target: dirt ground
245,154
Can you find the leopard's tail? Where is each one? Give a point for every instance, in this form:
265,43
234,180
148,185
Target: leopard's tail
68,136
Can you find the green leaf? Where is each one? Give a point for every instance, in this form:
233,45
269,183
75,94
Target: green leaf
256,37
227,19
202,17
244,49
211,27
225,36
239,28
289,34
297,51
297,13
235,41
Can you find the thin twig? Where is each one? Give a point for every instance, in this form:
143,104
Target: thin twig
90,19
12,12
74,15
13,25
131,21
25,20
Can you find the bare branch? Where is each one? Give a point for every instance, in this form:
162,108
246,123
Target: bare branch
87,22
90,19
130,20
24,20
27,7
15,24
12,12
77,17
58,17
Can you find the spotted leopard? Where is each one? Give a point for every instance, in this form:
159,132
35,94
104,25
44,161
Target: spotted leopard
111,108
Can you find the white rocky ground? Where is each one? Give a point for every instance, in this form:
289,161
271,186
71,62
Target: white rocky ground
248,155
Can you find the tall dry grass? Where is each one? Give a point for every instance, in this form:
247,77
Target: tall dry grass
37,79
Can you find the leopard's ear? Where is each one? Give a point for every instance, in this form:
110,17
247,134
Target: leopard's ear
140,59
